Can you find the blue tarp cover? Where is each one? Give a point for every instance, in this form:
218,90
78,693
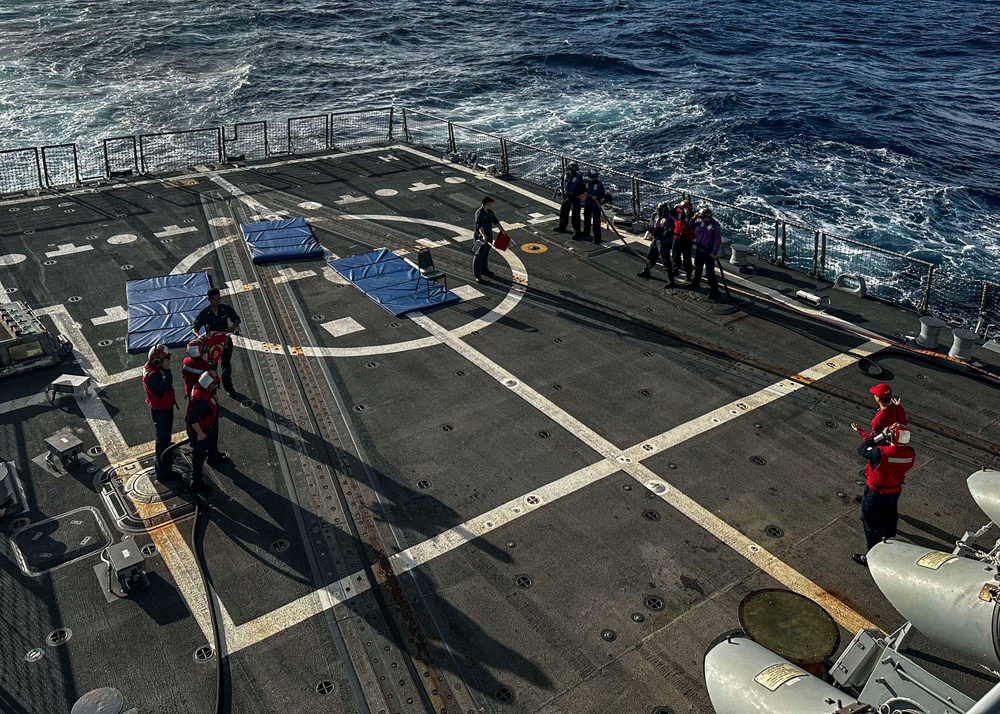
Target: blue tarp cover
391,281
285,239
161,310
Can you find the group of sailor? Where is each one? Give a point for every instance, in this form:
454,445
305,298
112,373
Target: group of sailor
673,233
588,194
206,367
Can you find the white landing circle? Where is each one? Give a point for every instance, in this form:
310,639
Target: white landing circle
386,192
310,206
454,179
122,239
12,259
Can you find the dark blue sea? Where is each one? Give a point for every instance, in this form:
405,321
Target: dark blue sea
875,119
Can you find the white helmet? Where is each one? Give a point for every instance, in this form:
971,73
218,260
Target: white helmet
899,434
157,354
194,350
208,380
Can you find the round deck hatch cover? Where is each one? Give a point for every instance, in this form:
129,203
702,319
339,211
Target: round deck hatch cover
100,701
790,625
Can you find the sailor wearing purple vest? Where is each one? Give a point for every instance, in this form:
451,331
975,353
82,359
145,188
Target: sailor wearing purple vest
707,244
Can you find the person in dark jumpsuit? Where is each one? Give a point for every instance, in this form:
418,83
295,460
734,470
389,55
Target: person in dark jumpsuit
596,194
483,236
220,317
570,208
662,232
707,244
202,422
158,384
889,457
683,238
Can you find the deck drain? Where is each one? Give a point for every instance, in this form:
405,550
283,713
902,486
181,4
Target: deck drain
247,403
841,494
325,688
11,291
774,532
647,354
188,220
649,309
627,487
279,545
503,695
474,332
203,654
166,240
638,617
58,636
29,232
104,343
359,407
557,387
558,340
49,262
126,267
511,544
371,365
487,298
831,423
654,603
609,635
918,375
523,581
19,523
542,434
645,393
148,550
663,710
95,450
532,500
460,373
74,298
731,328
34,655
121,215
423,484
393,324
758,461
317,317
651,515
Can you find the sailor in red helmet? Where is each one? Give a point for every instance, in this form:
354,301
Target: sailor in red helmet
194,365
158,383
203,428
889,411
889,457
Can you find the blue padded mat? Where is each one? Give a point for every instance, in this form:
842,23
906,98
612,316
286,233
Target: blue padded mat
391,282
285,239
161,310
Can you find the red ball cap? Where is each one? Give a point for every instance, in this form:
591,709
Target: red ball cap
882,391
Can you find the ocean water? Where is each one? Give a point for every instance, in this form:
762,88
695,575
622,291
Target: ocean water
877,120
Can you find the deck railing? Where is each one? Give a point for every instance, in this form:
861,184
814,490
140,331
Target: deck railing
889,276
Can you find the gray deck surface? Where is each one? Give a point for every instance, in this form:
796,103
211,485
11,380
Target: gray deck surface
357,455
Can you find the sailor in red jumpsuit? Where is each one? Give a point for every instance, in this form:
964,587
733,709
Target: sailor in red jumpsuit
889,411
889,457
203,427
158,385
194,365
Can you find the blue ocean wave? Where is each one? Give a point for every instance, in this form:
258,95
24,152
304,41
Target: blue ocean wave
879,121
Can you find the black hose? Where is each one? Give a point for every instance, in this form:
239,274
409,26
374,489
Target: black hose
197,545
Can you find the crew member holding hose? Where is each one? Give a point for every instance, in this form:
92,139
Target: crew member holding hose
203,428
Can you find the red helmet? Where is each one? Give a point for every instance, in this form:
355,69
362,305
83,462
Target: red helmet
209,380
898,434
214,345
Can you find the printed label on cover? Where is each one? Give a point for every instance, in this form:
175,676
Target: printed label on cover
776,675
933,561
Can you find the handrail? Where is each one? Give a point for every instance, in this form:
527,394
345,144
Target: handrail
893,276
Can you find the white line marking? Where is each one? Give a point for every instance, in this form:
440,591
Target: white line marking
175,231
345,200
189,262
421,186
23,402
111,314
333,276
287,275
238,286
428,243
68,249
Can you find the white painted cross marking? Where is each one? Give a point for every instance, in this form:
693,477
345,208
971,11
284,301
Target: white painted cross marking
388,158
111,314
346,199
238,286
343,326
68,249
287,275
333,276
175,231
421,186
537,218
427,243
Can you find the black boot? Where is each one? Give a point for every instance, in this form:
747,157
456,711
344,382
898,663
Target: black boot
643,274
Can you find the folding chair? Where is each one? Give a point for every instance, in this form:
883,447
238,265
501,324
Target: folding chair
425,266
